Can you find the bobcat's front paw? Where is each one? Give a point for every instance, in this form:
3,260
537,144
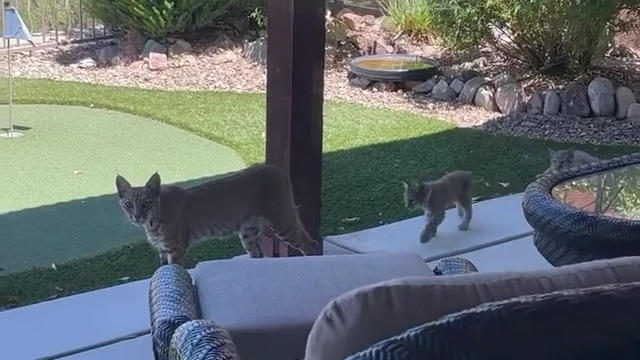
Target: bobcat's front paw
426,236
463,226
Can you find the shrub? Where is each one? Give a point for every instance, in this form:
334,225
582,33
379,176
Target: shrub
547,35
411,17
159,18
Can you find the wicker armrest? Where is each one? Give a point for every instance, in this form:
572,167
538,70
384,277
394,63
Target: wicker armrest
202,340
172,302
454,266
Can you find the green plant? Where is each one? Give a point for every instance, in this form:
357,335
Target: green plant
159,18
258,17
411,17
547,35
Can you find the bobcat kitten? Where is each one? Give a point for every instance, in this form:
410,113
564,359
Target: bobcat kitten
237,203
568,158
435,196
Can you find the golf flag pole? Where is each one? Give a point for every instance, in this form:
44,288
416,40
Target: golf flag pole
14,28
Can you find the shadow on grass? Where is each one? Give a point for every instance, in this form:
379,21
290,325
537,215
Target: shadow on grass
61,232
361,189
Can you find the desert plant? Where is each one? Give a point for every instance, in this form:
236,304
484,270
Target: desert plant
159,18
547,35
410,17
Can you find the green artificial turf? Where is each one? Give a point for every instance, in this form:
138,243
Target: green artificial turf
62,174
367,153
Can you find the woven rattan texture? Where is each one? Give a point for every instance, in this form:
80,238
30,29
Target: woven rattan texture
172,302
202,340
591,323
567,235
454,266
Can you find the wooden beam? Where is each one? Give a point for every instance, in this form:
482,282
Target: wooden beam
295,86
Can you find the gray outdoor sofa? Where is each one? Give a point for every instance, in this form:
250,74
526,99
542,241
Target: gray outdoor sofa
363,306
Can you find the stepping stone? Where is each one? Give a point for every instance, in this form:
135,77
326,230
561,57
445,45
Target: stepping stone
494,221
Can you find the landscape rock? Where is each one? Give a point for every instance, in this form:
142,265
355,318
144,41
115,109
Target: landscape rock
384,86
511,99
551,103
624,99
359,82
461,73
602,97
574,101
86,63
256,51
535,105
152,46
468,93
503,79
485,98
425,87
157,61
456,85
109,55
336,31
633,112
369,20
442,91
180,47
352,20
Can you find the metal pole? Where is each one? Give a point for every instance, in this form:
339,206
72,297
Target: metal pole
11,133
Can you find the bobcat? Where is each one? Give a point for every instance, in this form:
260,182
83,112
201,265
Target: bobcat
237,203
435,196
567,158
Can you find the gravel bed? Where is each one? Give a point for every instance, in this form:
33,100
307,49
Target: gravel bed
214,68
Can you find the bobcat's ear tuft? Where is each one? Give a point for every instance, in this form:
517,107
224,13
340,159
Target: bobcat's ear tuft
122,185
153,184
551,152
405,184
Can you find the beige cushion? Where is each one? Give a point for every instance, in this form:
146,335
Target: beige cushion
360,318
269,305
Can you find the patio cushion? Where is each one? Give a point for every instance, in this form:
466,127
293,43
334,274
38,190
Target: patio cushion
269,305
358,319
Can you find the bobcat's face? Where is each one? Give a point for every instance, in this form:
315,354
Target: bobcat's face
414,195
561,159
140,203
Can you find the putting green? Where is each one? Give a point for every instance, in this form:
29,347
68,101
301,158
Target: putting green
58,200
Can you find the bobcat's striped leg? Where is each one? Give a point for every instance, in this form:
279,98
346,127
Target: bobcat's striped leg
164,259
250,234
297,237
431,228
172,256
466,203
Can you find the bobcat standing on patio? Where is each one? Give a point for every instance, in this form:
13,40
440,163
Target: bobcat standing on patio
567,158
435,196
237,203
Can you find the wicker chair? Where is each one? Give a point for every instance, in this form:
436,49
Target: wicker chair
566,235
177,331
589,323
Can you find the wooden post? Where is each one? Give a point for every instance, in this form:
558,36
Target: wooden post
295,86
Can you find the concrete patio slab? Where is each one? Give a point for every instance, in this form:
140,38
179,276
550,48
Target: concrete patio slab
75,322
138,348
495,221
516,255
